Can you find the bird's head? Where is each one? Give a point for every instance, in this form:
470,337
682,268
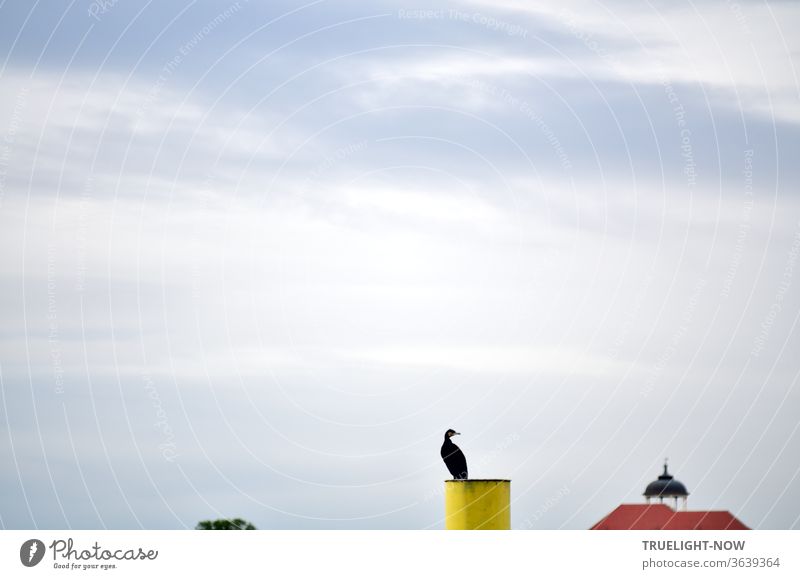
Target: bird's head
450,433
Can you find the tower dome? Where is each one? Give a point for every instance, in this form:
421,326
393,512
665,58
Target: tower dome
665,486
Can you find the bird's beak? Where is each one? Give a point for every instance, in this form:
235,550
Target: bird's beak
454,434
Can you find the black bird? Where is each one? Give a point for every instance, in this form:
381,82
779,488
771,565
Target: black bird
453,458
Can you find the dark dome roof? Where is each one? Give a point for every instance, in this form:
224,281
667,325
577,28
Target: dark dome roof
666,486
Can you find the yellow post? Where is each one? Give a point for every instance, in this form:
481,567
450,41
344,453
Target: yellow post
477,504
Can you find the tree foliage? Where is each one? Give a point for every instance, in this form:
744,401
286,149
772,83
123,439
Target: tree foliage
225,525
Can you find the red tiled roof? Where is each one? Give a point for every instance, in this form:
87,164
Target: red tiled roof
660,516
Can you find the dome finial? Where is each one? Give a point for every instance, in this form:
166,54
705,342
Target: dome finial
665,465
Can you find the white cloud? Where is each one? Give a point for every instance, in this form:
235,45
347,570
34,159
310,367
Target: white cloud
745,48
512,359
113,134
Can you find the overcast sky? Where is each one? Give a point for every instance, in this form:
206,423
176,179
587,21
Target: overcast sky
256,258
